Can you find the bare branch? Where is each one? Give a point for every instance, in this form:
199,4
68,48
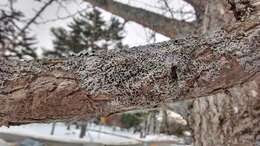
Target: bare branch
36,16
166,26
199,6
168,8
61,17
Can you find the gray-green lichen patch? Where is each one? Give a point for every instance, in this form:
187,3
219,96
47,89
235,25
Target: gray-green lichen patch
146,71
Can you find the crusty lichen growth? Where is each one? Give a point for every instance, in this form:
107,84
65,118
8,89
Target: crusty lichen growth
149,75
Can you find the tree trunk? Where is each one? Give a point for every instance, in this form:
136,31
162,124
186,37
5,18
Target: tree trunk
217,14
231,117
228,118
68,125
83,129
151,123
53,128
164,128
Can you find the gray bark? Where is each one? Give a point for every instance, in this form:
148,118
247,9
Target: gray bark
156,22
122,79
228,118
216,15
220,71
199,7
210,15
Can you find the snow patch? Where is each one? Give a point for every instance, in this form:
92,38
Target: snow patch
95,134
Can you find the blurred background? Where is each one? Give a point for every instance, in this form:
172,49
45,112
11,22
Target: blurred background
32,29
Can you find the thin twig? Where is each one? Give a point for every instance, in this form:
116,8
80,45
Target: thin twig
36,16
168,7
61,18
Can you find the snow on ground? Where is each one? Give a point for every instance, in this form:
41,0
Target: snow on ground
95,133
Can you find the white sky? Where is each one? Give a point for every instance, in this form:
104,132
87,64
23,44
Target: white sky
135,34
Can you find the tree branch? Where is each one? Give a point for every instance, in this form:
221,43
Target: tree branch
199,7
36,16
158,23
85,86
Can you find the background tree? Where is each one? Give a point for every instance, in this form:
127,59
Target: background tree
88,31
14,40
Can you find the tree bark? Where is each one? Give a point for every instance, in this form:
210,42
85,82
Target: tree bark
199,7
119,80
159,23
210,15
220,71
230,118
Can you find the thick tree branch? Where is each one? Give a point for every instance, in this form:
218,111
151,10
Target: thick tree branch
158,23
199,7
122,79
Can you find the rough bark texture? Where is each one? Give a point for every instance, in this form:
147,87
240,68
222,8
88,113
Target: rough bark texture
221,71
232,117
229,118
216,14
120,79
210,15
159,23
199,7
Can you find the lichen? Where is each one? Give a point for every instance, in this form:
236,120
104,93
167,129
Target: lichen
143,75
